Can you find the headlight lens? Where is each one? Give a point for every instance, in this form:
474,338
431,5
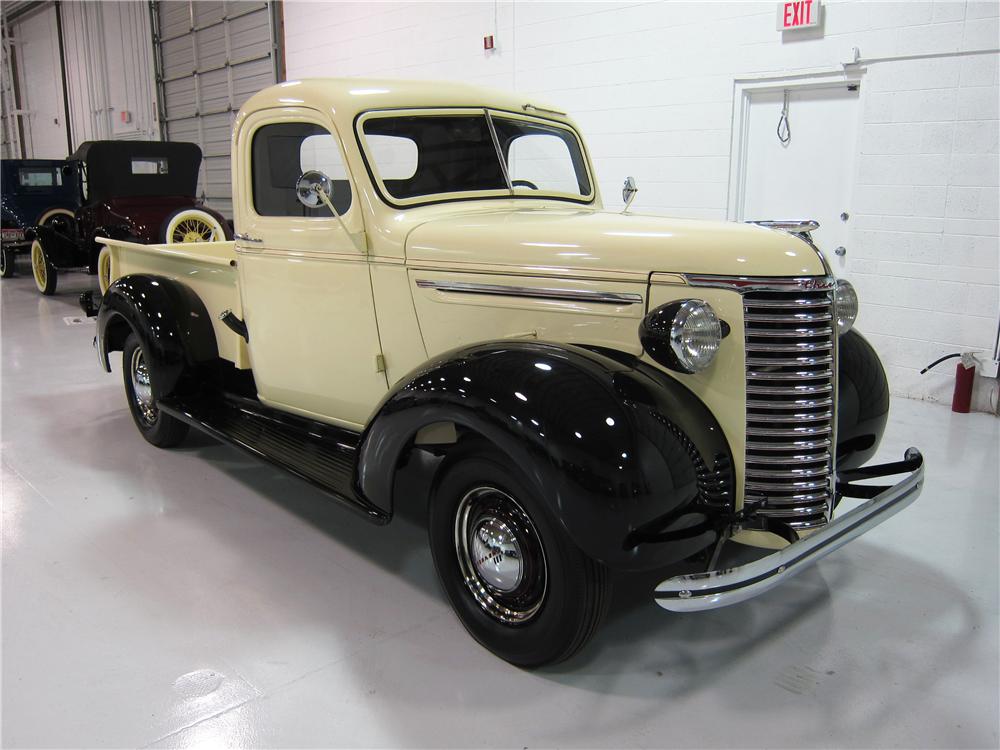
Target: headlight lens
845,304
684,335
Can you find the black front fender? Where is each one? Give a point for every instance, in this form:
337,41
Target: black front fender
862,401
167,316
61,250
630,462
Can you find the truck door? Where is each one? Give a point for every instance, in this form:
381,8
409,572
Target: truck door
304,277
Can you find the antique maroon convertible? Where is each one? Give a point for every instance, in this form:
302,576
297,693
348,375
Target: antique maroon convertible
140,191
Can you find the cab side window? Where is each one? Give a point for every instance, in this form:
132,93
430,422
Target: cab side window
281,153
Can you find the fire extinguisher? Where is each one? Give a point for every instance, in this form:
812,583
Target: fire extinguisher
965,376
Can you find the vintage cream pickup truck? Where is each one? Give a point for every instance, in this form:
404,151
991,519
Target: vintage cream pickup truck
426,304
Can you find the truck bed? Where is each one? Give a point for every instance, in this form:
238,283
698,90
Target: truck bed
208,268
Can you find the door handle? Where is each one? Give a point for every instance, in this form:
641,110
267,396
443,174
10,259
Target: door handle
246,238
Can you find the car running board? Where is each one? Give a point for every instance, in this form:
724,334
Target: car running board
321,454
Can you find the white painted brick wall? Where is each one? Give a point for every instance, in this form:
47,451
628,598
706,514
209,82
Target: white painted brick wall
651,85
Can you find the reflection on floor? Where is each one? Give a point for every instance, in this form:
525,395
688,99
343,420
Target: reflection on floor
193,596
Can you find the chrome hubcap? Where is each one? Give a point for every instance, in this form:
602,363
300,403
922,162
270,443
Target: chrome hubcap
496,555
142,388
500,555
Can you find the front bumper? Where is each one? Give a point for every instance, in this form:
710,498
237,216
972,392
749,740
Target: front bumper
720,588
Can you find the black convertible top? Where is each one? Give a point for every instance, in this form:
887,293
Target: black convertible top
139,168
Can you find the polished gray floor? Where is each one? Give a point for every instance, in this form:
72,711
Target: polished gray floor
194,597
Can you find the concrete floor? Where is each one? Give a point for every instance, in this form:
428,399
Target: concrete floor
195,597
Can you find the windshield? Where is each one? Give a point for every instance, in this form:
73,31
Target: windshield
416,157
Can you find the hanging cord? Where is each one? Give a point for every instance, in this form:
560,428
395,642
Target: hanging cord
784,131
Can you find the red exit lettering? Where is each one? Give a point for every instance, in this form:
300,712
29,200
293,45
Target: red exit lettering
798,13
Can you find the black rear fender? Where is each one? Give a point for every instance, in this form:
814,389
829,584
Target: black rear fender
630,462
170,320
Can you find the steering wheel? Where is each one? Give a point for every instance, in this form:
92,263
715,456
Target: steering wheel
524,183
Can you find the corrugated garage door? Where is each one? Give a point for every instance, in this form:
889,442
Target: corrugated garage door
10,143
212,56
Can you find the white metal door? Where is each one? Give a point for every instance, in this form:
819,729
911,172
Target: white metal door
41,85
810,176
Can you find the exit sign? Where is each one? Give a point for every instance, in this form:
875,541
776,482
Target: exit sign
798,14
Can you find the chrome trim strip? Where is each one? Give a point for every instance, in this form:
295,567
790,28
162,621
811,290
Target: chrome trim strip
568,295
764,283
720,588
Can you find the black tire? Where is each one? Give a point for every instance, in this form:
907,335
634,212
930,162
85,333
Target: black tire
157,428
548,621
45,274
7,257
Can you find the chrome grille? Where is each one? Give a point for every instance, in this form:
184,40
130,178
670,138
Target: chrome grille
790,348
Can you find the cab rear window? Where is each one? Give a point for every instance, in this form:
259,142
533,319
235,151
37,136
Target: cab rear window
39,177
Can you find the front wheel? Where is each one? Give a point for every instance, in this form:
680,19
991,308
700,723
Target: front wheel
519,585
44,272
162,430
7,256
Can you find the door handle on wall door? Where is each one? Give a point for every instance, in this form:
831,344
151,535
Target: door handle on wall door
246,238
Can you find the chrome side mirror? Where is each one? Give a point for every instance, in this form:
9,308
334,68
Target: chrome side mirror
628,192
309,186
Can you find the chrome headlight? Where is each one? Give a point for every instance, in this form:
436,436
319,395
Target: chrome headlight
845,305
683,335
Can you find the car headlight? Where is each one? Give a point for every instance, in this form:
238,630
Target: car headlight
683,335
845,305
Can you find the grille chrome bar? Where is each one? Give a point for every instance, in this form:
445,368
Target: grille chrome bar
801,403
802,346
802,317
783,418
785,303
790,376
811,484
804,458
791,390
796,333
790,361
794,375
787,473
797,445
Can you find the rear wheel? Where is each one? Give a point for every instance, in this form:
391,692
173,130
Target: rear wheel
519,585
158,428
44,272
7,256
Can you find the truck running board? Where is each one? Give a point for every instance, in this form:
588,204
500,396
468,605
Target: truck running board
323,455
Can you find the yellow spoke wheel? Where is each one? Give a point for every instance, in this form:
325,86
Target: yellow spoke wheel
194,225
43,272
104,269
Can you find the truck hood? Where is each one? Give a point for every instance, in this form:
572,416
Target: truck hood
546,239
